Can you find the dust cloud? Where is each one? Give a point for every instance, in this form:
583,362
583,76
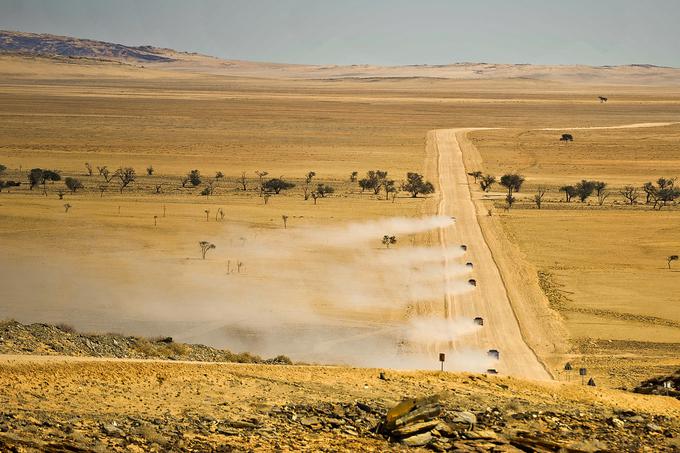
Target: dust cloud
323,294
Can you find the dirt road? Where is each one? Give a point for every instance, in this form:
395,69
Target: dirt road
489,300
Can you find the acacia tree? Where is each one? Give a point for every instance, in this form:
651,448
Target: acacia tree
353,176
373,180
567,138
569,192
243,181
105,173
390,187
650,191
584,189
88,167
150,170
665,196
194,177
599,187
415,184
261,175
670,259
126,176
49,175
205,246
73,184
512,181
308,181
602,196
35,177
486,182
276,185
323,189
388,240
538,198
2,169
475,174
630,193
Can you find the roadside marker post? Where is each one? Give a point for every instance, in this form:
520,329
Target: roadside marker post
442,358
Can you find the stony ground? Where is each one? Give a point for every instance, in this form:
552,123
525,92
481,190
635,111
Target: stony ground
45,339
96,404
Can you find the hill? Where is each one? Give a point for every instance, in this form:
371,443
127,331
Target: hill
52,46
45,45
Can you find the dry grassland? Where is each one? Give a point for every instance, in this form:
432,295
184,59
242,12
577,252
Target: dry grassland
58,115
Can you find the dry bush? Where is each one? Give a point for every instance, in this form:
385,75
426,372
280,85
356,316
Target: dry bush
178,348
151,434
145,347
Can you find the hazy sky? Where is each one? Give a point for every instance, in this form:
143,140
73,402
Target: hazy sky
597,32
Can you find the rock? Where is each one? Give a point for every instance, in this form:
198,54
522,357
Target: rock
616,423
654,428
419,440
464,419
335,422
112,430
310,421
445,430
482,434
410,430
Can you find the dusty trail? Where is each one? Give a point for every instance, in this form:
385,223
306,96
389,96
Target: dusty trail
490,299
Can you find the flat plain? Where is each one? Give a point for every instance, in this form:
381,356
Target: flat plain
602,267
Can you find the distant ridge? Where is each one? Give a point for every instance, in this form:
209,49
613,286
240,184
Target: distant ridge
24,44
46,45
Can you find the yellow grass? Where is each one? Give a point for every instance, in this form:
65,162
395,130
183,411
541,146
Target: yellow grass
57,115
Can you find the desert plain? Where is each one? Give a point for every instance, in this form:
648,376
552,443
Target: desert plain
580,282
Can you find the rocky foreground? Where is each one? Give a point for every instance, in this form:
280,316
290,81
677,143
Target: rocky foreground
78,404
45,339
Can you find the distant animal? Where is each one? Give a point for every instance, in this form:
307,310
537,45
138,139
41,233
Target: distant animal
567,138
602,99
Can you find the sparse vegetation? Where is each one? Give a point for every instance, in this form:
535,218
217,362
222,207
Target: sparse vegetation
584,189
670,259
194,177
388,240
73,184
308,181
373,181
323,189
538,197
126,176
476,175
276,185
486,182
569,192
243,181
513,182
205,247
415,185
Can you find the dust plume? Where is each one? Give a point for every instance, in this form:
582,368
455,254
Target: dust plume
323,294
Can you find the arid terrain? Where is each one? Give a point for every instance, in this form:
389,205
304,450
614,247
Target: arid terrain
308,277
